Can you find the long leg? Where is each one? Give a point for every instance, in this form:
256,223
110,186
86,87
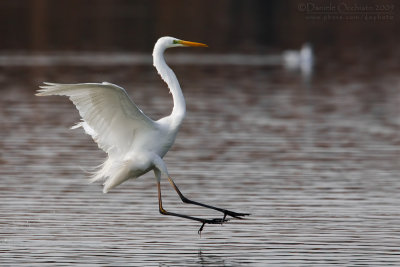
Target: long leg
224,211
203,221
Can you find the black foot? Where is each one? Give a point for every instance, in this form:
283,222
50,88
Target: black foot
233,214
211,221
224,211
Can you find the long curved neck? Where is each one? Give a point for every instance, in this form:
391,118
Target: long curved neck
179,110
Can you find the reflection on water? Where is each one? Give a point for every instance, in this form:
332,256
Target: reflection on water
316,165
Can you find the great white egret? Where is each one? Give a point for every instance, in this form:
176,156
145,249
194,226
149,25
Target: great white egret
135,144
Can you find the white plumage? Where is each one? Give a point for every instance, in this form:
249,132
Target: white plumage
134,143
115,123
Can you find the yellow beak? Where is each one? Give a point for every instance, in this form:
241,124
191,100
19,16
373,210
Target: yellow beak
187,43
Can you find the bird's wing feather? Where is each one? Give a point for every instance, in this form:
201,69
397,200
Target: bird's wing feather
112,117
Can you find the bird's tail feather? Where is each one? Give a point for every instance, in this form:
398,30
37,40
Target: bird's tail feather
102,172
119,175
112,172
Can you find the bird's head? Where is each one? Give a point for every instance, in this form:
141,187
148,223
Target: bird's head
168,42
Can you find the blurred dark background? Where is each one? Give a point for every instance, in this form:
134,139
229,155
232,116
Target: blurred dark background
226,25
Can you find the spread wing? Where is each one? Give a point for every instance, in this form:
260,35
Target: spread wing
108,114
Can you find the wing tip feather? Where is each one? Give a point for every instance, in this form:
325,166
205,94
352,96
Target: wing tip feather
45,89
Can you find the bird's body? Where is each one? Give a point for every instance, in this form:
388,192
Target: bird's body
135,144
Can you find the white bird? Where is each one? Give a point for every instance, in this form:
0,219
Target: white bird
135,144
302,59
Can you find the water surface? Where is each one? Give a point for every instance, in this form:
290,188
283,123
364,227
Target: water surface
317,165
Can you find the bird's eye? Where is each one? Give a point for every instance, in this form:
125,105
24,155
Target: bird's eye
175,42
